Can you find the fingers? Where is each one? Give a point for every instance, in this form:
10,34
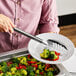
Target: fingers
10,28
12,24
3,28
6,28
6,24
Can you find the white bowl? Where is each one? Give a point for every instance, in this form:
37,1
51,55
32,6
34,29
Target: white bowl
35,48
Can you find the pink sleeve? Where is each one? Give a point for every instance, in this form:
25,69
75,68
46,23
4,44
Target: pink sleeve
49,18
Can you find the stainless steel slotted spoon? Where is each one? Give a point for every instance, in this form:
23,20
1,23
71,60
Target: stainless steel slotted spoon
48,43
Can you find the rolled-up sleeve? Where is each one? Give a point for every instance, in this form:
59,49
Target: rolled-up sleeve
49,19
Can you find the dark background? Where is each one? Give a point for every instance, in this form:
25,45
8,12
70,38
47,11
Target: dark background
67,19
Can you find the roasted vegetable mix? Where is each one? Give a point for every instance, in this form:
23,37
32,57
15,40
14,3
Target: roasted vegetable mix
27,66
50,55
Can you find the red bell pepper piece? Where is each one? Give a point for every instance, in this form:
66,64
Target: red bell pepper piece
35,75
36,66
28,62
41,73
1,71
10,62
57,53
29,56
47,66
31,62
19,64
17,68
21,67
24,66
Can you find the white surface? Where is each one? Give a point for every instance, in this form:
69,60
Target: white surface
36,48
70,64
66,7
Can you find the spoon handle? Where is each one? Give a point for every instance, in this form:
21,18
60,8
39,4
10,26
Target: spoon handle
29,35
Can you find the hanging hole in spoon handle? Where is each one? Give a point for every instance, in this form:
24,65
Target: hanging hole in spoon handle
30,36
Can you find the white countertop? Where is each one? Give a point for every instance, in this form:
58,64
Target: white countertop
70,64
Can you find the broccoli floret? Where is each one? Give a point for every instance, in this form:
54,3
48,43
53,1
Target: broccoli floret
45,53
23,61
0,68
23,72
1,74
15,60
31,74
13,75
4,74
3,63
4,68
53,55
13,65
45,74
50,73
18,73
30,69
7,74
38,75
37,71
13,70
49,54
41,67
20,58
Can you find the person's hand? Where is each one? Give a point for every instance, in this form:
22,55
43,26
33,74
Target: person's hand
6,24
